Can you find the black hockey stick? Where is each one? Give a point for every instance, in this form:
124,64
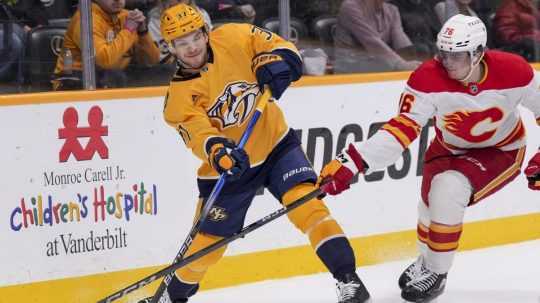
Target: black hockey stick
205,251
263,100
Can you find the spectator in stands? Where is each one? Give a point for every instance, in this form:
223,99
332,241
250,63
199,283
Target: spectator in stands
421,25
229,9
36,13
154,16
516,28
119,36
448,8
369,36
12,38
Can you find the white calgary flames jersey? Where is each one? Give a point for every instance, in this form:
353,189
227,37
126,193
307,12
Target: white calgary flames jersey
483,114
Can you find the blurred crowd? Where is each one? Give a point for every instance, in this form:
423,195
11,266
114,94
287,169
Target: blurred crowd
40,40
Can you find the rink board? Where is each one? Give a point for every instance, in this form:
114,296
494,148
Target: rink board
98,192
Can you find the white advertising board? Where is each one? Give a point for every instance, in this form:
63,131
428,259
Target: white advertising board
100,186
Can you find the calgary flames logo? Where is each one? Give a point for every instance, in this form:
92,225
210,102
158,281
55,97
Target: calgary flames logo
472,126
235,104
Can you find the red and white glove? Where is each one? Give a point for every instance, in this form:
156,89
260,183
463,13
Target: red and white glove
336,176
532,171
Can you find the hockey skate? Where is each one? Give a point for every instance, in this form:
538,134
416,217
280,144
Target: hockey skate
411,272
352,290
425,287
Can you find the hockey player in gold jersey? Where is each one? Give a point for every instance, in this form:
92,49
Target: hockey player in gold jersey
209,101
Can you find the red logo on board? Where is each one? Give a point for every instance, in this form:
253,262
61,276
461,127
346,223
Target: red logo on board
72,132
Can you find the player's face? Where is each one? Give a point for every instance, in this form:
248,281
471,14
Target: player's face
457,64
192,48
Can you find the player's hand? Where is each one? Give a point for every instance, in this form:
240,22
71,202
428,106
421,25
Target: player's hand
272,70
226,157
337,175
532,171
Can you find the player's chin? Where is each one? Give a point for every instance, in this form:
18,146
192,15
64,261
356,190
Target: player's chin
195,61
454,74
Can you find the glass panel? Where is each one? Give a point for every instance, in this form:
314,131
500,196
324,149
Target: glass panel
333,36
372,37
215,13
515,28
313,24
31,35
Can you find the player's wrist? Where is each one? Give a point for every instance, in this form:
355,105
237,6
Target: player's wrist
359,163
263,59
214,142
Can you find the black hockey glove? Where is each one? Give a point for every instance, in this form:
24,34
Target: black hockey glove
271,69
225,157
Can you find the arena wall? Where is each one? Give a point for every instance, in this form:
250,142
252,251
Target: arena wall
98,191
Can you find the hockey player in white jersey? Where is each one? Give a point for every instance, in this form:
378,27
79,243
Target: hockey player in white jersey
473,95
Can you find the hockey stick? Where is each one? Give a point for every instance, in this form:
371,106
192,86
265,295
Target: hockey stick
213,195
263,100
205,251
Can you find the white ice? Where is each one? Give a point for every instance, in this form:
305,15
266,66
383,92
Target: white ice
509,274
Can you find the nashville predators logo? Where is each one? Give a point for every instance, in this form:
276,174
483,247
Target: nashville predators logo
217,214
473,126
235,105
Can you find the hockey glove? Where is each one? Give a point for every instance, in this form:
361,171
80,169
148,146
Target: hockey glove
226,157
271,69
532,171
337,175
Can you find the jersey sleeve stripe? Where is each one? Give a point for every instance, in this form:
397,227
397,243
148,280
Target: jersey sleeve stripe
404,129
398,134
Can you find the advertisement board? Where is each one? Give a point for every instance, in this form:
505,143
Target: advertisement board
105,185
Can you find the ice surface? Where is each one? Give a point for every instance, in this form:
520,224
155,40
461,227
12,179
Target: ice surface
509,274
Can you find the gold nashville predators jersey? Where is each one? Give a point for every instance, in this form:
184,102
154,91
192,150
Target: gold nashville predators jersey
220,100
